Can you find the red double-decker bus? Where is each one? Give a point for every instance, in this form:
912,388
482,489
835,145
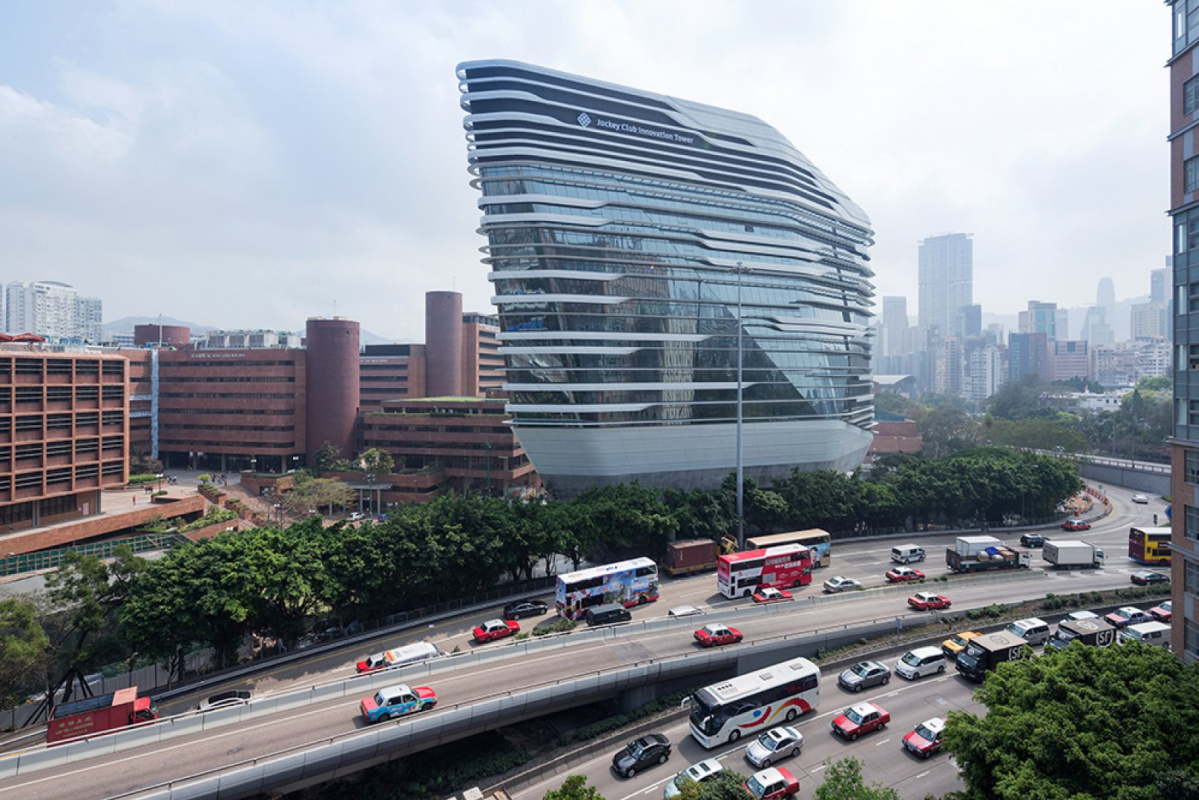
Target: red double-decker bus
783,567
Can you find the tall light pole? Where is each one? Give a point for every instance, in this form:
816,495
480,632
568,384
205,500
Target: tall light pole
487,446
741,270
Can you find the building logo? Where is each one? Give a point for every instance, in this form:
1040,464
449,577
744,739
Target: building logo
583,119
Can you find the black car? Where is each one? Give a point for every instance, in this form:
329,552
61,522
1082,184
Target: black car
1032,540
1146,577
653,748
525,608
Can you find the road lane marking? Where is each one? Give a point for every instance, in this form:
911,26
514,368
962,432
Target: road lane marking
883,742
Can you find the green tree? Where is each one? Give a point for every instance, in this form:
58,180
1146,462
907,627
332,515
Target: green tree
24,650
377,461
90,592
574,788
843,781
325,456
313,493
724,785
1082,723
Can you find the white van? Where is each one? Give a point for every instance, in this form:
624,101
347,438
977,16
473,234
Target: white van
920,662
1032,630
1150,633
907,553
408,654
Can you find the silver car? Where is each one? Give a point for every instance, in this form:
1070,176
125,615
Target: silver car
696,773
774,745
865,674
840,584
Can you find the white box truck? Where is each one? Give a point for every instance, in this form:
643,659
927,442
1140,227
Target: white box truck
1072,554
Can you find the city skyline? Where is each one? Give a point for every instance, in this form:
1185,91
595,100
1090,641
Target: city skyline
264,166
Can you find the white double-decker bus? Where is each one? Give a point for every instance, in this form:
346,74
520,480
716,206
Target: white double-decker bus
749,704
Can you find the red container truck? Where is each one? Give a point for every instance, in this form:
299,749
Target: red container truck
98,714
691,555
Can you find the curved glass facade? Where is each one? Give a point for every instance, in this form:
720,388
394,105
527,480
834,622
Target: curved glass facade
629,235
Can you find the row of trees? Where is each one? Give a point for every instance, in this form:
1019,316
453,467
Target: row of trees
273,582
1032,414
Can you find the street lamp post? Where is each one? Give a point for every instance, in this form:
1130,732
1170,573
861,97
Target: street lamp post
741,270
370,499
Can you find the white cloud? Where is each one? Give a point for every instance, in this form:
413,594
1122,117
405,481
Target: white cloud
244,164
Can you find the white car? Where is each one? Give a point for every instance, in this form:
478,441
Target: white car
840,584
774,745
697,773
1140,498
232,697
356,516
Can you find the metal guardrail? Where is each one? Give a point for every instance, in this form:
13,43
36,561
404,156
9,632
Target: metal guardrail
363,685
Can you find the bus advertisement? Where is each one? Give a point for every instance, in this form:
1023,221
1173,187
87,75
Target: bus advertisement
749,704
817,540
742,574
629,583
1149,545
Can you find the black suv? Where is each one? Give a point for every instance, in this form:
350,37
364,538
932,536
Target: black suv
1032,540
653,748
525,608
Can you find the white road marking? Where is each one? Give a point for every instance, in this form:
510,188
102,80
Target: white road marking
883,742
922,774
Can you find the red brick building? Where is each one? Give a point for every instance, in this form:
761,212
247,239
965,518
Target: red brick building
465,440
64,433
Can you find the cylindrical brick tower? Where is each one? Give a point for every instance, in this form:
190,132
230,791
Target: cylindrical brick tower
443,344
332,385
166,335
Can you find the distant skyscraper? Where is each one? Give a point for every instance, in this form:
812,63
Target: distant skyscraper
53,310
895,326
972,320
946,279
1159,285
1106,296
1041,318
1028,356
1095,330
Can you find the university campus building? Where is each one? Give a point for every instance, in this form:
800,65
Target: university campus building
649,254
71,416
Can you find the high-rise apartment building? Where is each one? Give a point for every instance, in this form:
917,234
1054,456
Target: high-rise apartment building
52,310
984,372
1184,213
946,281
650,256
1149,321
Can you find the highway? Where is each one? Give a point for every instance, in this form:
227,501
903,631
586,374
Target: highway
886,761
177,758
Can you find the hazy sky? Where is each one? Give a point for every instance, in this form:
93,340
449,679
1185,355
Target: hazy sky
252,164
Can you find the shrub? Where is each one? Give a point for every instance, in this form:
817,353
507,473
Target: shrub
557,626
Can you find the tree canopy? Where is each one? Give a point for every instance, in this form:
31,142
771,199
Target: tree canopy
1118,722
843,781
